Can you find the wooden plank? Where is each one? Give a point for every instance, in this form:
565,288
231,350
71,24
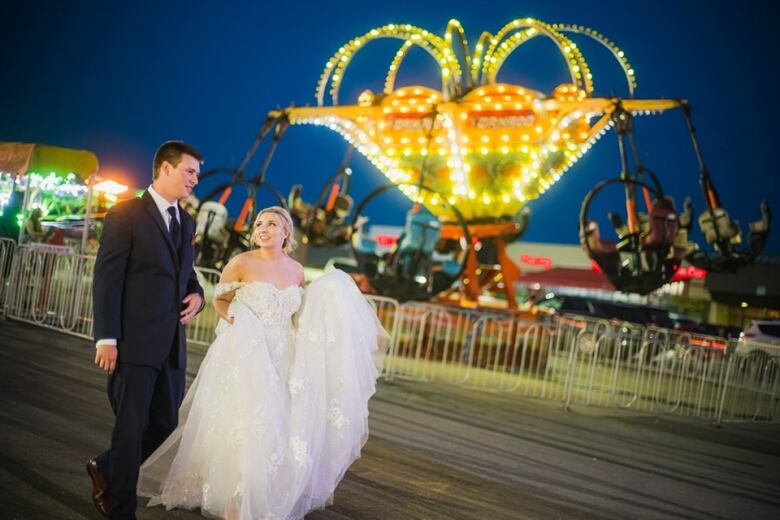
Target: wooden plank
435,452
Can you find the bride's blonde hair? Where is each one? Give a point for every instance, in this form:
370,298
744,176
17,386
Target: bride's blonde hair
289,244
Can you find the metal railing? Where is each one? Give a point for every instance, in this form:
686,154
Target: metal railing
51,286
751,387
387,310
201,330
572,359
7,248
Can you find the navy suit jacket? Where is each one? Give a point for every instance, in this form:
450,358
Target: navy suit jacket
140,281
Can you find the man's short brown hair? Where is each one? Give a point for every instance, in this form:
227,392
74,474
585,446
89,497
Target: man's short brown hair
172,151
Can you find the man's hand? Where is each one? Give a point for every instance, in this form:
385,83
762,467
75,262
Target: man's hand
105,357
193,304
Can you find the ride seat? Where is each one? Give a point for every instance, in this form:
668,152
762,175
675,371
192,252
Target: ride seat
662,226
685,219
341,208
416,244
361,241
212,215
421,232
604,252
595,242
762,226
717,224
450,268
759,230
682,247
298,208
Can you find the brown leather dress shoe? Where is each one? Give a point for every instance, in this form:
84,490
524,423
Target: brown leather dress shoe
99,488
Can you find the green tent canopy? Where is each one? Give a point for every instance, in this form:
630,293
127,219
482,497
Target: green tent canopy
22,158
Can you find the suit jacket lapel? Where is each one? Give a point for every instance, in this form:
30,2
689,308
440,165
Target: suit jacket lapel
154,212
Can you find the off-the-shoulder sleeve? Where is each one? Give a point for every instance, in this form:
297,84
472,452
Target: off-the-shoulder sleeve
222,288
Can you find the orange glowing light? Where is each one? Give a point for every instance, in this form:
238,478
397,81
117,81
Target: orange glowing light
109,186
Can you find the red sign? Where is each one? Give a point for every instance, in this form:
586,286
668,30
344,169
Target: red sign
385,240
688,273
543,261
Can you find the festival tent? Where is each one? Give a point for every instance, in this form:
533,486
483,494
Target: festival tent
32,165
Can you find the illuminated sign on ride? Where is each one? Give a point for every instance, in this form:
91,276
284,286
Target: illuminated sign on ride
542,261
487,147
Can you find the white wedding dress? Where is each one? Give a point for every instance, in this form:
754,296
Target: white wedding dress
278,411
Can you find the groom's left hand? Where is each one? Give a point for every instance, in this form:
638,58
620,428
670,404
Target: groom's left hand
193,304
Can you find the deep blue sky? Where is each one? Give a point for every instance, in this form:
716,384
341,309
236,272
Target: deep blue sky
120,79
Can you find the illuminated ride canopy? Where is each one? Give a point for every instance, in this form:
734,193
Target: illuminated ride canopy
475,152
35,176
488,148
62,183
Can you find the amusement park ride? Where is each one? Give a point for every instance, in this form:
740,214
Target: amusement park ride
472,155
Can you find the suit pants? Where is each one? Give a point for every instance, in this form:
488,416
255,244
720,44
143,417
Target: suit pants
145,401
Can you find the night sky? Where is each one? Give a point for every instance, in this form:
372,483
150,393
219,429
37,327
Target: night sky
118,79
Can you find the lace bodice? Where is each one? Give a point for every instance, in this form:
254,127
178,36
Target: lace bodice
275,307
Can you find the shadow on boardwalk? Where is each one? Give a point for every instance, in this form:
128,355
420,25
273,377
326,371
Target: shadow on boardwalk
436,451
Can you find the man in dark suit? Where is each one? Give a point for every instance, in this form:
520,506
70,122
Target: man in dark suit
145,290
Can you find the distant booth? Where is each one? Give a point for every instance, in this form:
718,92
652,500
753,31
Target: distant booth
51,194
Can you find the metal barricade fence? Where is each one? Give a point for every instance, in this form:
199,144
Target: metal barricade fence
751,388
7,249
431,343
574,359
698,374
51,286
646,368
200,331
510,355
387,310
592,347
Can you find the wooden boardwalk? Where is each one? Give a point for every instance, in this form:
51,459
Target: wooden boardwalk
436,451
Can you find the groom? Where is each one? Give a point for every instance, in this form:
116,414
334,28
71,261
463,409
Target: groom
145,290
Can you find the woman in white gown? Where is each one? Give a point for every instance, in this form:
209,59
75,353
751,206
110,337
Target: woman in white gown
278,410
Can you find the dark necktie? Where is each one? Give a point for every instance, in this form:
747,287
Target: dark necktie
174,228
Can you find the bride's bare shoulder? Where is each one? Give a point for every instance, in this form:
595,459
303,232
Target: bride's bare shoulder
235,270
297,268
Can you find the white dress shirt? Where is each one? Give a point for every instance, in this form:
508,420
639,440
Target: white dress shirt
162,206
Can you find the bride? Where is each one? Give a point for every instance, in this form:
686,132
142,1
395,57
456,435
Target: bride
279,408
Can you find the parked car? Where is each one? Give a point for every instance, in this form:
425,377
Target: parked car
757,346
760,339
643,315
685,323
